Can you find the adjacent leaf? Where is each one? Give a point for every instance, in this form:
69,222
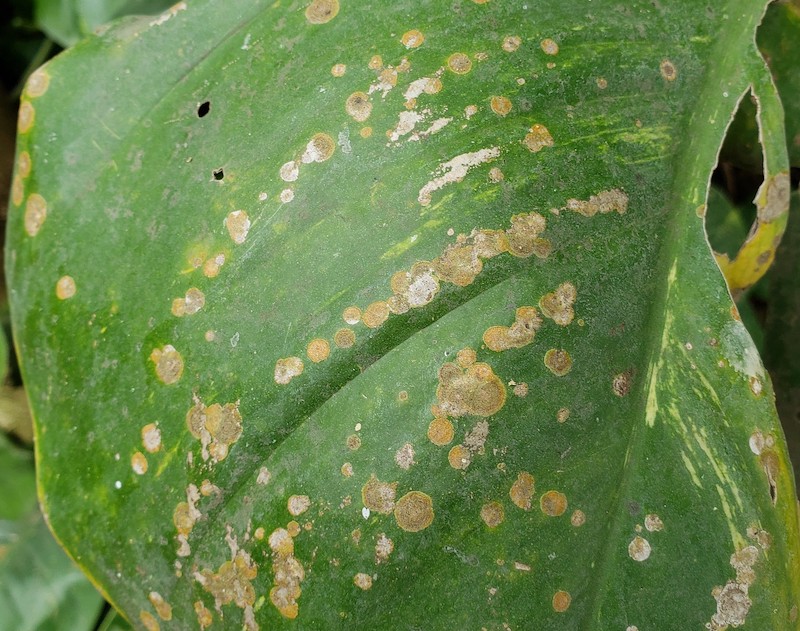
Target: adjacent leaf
783,333
402,315
67,21
40,588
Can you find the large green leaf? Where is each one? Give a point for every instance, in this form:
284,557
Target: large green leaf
273,254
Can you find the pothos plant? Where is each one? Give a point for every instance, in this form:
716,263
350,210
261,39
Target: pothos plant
340,314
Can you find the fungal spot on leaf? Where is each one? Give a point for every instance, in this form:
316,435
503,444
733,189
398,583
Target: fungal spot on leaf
24,164
520,390
404,457
191,303
459,63
557,305
264,476
290,171
318,149
288,368
455,170
558,361
578,518
358,106
168,364
511,43
17,190
561,601
375,314
414,511
653,523
151,438
475,390
35,214
203,109
232,581
149,621
523,236
522,490
162,607
37,83
538,138
412,39
344,338
500,105
318,350
26,117
733,602
362,581
413,289
347,470
440,432
212,266
553,503
353,442
549,46
352,315
639,549
519,334
322,11
238,225
298,504
383,548
65,288
621,384
375,62
459,457
668,70
139,463
614,200
379,496
216,426
204,616
562,415
492,514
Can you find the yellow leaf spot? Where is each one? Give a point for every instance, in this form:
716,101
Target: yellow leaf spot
493,514
558,361
459,63
522,490
500,105
414,511
322,11
35,214
318,350
412,39
65,288
168,364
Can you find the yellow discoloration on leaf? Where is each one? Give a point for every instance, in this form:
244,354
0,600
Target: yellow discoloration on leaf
358,106
668,70
232,582
24,164
238,225
344,338
639,549
549,46
204,616
511,43
37,83
578,518
298,504
191,303
414,511
151,438
375,314
149,621
614,200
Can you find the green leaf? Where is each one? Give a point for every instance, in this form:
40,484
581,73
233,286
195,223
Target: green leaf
254,291
67,21
783,333
40,588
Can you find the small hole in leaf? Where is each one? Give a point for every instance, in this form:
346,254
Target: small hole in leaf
203,109
219,174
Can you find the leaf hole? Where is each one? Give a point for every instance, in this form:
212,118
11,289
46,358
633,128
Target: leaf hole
203,109
219,174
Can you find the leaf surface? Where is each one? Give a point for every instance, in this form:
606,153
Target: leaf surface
402,315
